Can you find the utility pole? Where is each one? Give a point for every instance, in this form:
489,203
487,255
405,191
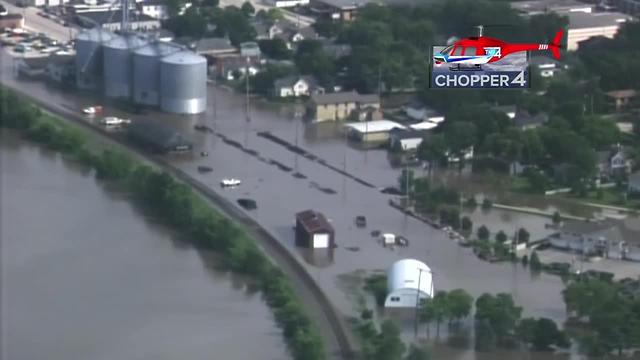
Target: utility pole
246,76
417,312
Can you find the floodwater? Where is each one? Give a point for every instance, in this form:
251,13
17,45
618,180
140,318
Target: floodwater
279,196
86,276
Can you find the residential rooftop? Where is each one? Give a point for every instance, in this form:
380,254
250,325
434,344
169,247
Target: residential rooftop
541,6
366,127
313,221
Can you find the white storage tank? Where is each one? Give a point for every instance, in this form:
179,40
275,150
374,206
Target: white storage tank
146,71
118,64
89,65
183,83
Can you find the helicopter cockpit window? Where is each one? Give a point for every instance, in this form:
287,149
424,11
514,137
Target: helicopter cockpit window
447,50
457,51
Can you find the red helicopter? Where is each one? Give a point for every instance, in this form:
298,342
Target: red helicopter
479,50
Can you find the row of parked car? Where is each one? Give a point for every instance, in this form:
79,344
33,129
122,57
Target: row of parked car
24,42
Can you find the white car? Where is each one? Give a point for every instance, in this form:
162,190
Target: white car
230,182
114,121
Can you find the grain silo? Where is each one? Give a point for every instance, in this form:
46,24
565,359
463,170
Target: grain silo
118,64
146,71
89,64
183,83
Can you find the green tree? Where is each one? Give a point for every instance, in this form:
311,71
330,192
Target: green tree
433,150
377,285
557,218
275,49
483,233
460,303
501,237
440,308
467,224
523,236
500,311
388,344
534,261
417,353
191,23
487,203
406,181
485,339
312,60
248,9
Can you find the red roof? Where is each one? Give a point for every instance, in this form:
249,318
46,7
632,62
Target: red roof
313,221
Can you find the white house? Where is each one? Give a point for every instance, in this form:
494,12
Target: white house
287,3
409,281
296,86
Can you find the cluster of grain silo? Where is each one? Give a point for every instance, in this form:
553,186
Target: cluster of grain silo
143,70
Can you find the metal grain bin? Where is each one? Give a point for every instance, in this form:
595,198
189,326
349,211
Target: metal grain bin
89,58
118,64
146,71
183,83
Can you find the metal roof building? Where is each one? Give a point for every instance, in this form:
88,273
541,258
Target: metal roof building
118,73
146,71
313,230
408,282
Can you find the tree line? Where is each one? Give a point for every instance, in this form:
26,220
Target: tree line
175,204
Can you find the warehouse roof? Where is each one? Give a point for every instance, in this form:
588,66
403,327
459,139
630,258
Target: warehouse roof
314,221
374,126
344,97
580,20
406,273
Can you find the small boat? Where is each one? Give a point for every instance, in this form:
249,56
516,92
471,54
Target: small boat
204,169
92,110
230,182
361,221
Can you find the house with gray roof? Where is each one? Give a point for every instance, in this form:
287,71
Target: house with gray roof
526,121
614,163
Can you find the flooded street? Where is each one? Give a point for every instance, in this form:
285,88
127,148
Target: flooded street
279,196
86,276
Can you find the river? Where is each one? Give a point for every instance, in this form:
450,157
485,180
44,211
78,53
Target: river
86,275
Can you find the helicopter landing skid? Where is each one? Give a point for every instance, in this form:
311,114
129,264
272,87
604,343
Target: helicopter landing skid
465,68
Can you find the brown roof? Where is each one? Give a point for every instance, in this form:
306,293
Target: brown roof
314,221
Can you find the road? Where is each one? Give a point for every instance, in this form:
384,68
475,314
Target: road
37,23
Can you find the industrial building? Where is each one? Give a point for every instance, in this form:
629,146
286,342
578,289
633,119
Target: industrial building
157,137
110,20
139,68
409,282
313,230
583,26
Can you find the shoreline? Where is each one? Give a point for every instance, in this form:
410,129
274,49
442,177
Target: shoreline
333,326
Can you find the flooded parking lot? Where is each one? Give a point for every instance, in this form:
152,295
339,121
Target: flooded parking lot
279,195
86,276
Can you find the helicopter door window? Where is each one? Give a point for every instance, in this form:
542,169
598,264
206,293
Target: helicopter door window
457,51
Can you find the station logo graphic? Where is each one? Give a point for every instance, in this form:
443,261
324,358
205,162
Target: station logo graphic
485,62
